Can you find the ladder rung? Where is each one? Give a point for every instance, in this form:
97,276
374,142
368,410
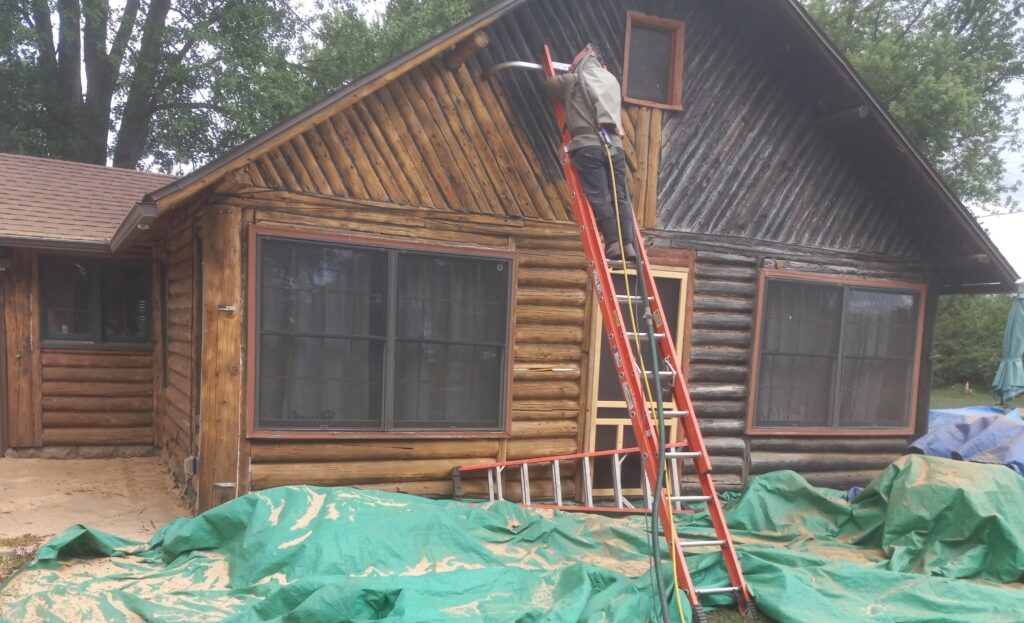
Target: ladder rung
690,498
682,455
715,543
715,591
643,336
675,413
661,373
622,298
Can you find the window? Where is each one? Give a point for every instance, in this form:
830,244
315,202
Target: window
95,302
653,67
362,338
836,355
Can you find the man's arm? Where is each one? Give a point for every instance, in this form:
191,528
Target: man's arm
558,86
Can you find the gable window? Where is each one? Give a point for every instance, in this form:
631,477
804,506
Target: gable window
836,355
653,67
88,301
353,337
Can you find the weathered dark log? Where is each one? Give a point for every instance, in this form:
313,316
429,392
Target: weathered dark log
707,287
720,408
841,480
722,304
723,321
701,392
724,446
715,257
722,338
707,270
706,373
705,354
829,444
762,462
720,428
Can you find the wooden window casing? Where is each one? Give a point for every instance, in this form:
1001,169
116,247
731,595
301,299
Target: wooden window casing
635,22
102,286
847,283
388,430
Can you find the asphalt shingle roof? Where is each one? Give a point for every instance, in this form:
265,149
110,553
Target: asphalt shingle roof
55,200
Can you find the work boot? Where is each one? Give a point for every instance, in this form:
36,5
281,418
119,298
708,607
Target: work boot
630,252
613,250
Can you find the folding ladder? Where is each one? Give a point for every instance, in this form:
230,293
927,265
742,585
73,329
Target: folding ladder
628,364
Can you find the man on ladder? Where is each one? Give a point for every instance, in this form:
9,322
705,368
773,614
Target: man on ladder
592,99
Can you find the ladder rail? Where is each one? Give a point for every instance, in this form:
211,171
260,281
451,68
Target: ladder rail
621,350
627,368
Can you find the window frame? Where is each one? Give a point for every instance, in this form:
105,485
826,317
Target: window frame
676,65
306,235
94,338
920,289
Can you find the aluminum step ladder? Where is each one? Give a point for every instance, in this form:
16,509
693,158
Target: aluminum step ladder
628,364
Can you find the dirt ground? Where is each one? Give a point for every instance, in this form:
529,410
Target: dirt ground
131,498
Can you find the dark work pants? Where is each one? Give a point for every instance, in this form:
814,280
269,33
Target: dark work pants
592,164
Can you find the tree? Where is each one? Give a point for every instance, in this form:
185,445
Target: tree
942,67
165,82
969,339
348,45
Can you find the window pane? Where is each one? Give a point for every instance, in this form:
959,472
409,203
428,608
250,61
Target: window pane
322,289
320,383
323,323
452,299
452,320
448,386
650,61
879,349
125,293
65,290
799,352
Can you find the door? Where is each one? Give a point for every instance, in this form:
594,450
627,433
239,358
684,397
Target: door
608,425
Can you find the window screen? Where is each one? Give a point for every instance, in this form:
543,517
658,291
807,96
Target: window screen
653,68
363,338
97,302
835,356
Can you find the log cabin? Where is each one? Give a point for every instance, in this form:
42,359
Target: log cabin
389,283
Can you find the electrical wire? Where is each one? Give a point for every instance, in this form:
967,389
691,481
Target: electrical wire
656,401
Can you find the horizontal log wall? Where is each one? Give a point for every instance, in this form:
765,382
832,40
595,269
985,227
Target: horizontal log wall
175,427
549,353
96,398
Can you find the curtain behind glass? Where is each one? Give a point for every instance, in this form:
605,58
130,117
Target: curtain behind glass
799,351
452,320
323,326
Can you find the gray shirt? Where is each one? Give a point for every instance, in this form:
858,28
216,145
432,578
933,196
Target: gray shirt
579,115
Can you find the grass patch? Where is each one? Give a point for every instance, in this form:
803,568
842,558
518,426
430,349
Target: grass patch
11,561
954,397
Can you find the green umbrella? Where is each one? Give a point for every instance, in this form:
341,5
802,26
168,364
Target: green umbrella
1009,380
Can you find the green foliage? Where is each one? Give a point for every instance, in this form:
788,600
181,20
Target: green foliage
349,45
969,339
942,67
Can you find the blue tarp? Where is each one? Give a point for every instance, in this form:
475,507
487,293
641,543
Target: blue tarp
978,434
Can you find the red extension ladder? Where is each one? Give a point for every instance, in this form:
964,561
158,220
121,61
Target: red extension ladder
628,366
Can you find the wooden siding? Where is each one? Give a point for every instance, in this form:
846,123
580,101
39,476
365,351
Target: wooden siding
175,423
747,157
96,397
549,352
725,296
443,139
21,324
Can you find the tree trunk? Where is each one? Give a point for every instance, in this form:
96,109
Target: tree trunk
135,123
68,104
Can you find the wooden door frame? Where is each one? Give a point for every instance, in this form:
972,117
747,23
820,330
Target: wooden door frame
666,263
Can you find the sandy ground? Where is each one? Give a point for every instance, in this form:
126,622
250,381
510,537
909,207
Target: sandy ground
131,498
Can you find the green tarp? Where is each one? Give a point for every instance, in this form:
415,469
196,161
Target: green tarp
929,540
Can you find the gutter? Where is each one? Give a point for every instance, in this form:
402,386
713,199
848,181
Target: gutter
55,244
139,219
